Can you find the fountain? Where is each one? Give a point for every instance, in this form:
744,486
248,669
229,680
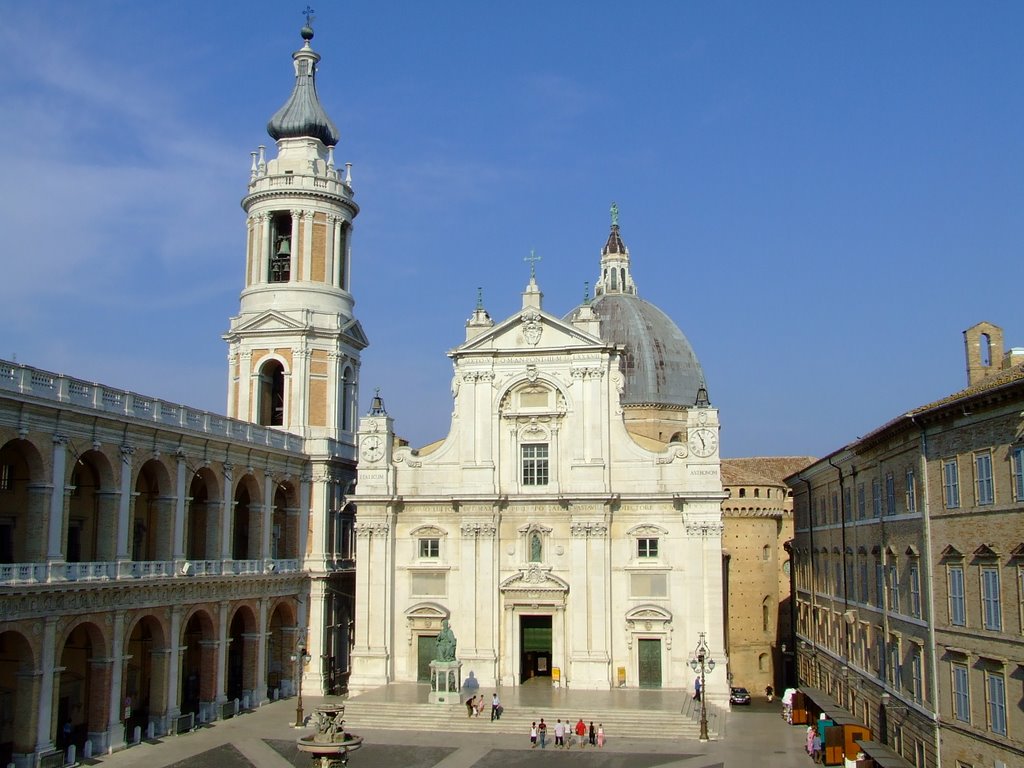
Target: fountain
330,745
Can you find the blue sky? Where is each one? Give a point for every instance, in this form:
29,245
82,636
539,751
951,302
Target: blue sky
823,196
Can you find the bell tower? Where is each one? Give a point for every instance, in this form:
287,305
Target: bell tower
294,345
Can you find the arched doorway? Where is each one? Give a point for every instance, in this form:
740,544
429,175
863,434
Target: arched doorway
145,675
92,513
280,645
202,532
17,685
82,688
22,503
198,666
241,653
245,527
152,521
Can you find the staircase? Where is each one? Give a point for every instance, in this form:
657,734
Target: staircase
618,723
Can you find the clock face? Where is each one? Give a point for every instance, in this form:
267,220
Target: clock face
373,448
703,442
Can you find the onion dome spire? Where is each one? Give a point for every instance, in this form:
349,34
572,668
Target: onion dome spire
302,115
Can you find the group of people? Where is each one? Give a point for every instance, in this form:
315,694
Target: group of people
564,733
475,705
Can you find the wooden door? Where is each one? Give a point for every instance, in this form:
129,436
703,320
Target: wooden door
425,647
649,663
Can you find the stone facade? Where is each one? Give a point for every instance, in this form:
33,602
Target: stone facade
556,542
909,553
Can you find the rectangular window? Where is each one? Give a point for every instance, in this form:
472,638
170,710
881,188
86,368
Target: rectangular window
961,694
835,507
911,491
1018,473
916,679
890,494
847,505
646,547
915,591
430,548
648,585
894,588
535,464
428,584
951,484
992,610
983,478
864,582
839,579
879,585
876,498
6,477
894,661
861,504
996,690
957,608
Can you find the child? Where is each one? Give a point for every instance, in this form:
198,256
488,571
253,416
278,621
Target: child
600,734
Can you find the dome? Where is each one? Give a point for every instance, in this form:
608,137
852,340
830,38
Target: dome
658,363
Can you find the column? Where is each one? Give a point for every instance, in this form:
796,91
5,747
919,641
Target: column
55,539
178,547
24,729
307,245
173,704
124,511
115,726
48,662
106,523
313,676
265,247
305,490
222,653
296,263
338,260
247,386
260,685
268,517
346,257
226,513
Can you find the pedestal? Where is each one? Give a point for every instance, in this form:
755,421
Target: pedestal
445,678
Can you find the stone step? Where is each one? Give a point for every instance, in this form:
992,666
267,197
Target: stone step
431,717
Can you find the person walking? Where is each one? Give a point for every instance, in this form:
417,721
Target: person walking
593,734
470,706
495,705
581,731
600,734
559,734
542,733
533,735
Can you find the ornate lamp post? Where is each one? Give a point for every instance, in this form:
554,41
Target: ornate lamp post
700,663
301,659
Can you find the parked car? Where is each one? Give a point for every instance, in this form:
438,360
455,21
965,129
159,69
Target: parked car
739,696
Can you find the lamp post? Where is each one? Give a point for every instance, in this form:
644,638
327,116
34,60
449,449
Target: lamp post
301,659
701,663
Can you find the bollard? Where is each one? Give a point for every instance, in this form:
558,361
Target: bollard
150,731
245,701
274,693
71,754
137,734
87,750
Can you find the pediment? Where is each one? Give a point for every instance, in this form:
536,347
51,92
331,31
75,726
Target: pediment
426,611
648,613
534,579
353,331
269,322
530,330
951,552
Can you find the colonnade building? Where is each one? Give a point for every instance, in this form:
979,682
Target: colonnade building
159,563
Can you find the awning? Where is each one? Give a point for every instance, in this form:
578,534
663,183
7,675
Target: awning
825,702
883,755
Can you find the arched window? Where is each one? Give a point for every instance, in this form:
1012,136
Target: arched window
985,349
343,257
743,493
347,398
765,616
271,396
762,662
765,552
757,493
280,248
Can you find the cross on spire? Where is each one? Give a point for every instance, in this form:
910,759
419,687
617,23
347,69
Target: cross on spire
533,258
310,18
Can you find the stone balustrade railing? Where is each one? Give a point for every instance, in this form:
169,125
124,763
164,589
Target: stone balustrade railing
55,573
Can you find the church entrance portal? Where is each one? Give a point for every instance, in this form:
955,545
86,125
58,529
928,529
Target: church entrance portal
535,647
426,645
649,662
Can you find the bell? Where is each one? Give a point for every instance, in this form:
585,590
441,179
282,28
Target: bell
285,248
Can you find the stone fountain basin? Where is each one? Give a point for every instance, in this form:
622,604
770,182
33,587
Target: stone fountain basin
350,743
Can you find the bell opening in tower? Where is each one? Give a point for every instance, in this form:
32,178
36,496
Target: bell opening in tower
281,256
271,402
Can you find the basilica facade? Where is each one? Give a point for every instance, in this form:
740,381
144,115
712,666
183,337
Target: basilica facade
569,525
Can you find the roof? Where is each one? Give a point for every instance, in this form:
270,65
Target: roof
658,363
302,116
762,470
